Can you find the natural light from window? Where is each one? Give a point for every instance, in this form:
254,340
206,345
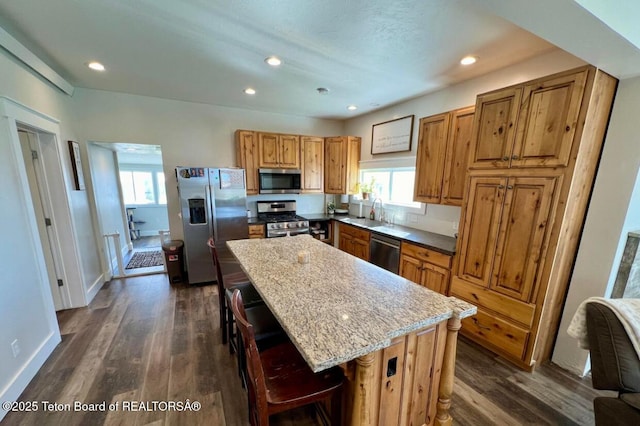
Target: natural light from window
393,186
143,187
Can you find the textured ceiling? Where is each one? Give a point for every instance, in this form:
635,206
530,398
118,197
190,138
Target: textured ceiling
369,53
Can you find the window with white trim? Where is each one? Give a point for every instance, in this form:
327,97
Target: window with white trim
142,185
392,185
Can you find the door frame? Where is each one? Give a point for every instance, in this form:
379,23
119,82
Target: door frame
48,129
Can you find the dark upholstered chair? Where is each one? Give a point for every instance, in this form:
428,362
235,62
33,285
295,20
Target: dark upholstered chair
279,379
614,366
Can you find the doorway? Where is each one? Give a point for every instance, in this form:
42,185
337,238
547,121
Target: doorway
131,204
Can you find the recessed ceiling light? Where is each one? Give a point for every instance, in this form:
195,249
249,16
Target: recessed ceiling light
250,91
352,107
322,90
468,60
96,66
274,61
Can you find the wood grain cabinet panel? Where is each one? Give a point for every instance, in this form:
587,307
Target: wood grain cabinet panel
426,267
312,151
549,117
494,130
432,148
534,153
342,157
443,156
354,241
278,151
247,158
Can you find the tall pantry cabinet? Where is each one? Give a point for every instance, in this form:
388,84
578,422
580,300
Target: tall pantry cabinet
533,155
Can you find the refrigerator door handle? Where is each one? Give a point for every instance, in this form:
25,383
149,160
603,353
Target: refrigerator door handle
211,202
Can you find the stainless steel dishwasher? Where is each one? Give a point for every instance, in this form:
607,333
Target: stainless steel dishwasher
385,252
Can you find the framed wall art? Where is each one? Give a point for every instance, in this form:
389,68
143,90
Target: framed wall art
392,136
76,163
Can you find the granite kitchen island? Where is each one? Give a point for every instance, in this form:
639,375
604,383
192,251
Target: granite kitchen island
395,340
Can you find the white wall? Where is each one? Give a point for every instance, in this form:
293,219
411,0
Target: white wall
104,173
443,219
26,310
189,134
613,212
154,217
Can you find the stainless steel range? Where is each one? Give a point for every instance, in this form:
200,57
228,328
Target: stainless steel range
281,218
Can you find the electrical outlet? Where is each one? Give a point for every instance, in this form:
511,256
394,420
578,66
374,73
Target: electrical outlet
15,348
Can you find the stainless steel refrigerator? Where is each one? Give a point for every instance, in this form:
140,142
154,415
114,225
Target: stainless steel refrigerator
213,203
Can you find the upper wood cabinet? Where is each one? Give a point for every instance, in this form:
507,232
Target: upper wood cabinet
279,151
342,157
442,157
312,152
547,113
247,158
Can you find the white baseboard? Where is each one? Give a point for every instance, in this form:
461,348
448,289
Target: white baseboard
95,288
152,233
28,371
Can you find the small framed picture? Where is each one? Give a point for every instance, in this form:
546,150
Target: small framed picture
76,163
392,136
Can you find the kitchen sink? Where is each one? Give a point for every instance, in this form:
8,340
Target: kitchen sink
364,222
390,231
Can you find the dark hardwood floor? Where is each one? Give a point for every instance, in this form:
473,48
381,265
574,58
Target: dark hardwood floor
143,339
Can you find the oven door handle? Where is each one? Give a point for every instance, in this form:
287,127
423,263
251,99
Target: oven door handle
281,233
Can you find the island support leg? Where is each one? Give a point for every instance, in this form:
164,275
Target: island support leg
363,403
443,418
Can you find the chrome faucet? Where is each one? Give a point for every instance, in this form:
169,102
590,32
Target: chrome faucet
373,208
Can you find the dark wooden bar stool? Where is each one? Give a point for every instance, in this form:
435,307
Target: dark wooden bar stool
279,379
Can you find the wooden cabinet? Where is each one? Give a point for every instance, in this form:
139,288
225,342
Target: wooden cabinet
278,151
256,231
442,157
535,149
247,158
426,267
342,156
503,235
354,241
312,152
532,125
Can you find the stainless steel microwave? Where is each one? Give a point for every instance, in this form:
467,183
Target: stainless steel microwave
280,181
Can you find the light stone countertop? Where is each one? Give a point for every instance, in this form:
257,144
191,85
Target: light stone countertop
338,307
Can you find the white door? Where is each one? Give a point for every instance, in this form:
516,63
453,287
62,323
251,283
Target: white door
42,207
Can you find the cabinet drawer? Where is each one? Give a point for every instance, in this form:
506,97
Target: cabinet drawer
503,335
426,255
360,234
511,308
256,231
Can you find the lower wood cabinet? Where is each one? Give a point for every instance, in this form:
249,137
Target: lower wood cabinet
256,231
426,267
354,241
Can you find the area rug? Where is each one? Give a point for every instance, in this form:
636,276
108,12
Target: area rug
145,259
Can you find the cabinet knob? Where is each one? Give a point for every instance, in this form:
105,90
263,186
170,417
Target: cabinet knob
505,158
500,186
515,157
509,186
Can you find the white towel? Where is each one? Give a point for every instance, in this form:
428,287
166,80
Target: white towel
627,311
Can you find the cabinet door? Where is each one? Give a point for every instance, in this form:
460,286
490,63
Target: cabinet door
548,121
312,163
353,165
480,228
456,160
335,165
268,150
289,151
494,130
520,253
435,278
432,143
247,158
410,268
361,249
